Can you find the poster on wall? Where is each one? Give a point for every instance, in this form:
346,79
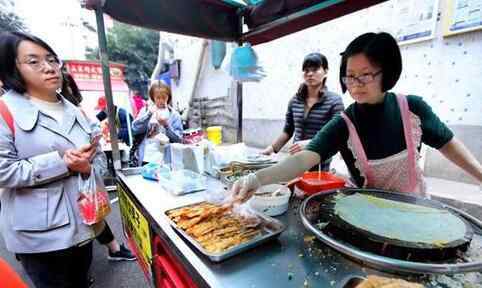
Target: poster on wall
416,20
463,16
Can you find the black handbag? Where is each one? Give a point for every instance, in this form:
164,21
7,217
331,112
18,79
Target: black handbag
133,152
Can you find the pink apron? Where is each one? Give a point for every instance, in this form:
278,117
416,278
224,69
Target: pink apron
399,172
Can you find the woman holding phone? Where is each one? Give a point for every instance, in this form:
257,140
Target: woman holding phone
45,146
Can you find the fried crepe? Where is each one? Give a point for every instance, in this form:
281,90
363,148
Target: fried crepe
374,281
213,226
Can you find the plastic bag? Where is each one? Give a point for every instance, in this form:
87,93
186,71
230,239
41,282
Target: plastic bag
190,157
94,204
182,181
154,171
244,66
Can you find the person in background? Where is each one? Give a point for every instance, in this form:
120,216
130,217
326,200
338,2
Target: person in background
2,90
43,152
159,123
380,135
310,109
70,90
137,102
121,118
116,251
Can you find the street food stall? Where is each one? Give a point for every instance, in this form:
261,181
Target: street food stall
187,241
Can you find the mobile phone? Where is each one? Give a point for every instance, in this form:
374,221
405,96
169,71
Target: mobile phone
94,140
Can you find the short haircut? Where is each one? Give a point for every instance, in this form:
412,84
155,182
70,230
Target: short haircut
315,60
382,50
9,73
159,84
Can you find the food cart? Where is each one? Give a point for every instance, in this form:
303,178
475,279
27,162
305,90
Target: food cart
296,258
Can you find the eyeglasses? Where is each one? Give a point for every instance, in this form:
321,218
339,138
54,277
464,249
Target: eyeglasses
37,64
361,80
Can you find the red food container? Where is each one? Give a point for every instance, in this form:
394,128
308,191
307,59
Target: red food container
314,182
192,136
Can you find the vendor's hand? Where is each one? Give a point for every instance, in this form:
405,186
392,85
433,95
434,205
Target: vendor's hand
244,188
268,150
76,162
295,148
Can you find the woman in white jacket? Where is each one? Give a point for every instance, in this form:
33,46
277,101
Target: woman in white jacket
44,149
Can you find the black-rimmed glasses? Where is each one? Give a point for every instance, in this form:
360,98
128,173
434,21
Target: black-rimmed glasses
361,80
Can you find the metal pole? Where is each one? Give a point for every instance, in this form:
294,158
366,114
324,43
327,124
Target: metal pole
239,92
239,96
104,59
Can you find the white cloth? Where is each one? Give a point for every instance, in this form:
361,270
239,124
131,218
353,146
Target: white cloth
52,109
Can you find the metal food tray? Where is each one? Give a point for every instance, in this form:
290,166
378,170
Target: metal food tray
271,228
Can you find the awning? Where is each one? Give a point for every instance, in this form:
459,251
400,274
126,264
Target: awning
220,19
201,18
274,19
88,75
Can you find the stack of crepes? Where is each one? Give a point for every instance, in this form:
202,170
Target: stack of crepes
215,227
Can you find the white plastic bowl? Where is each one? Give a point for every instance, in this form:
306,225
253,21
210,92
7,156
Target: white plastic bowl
271,205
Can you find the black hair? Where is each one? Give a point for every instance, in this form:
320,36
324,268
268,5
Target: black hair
70,90
382,50
9,42
314,60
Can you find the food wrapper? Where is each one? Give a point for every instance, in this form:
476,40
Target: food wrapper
94,204
250,217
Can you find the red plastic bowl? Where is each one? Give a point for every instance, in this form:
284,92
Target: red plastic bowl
314,182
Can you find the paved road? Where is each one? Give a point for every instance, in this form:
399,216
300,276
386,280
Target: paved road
106,274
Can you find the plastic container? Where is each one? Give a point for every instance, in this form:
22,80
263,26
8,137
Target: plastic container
152,171
192,136
314,182
215,134
270,205
182,182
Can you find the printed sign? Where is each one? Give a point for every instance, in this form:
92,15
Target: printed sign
463,16
137,229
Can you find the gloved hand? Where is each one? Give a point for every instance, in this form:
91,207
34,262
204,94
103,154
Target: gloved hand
244,188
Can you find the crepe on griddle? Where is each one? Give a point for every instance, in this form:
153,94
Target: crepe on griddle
213,226
374,281
400,221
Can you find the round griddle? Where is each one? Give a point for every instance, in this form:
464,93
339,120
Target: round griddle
318,215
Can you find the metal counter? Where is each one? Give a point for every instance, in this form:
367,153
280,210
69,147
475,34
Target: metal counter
296,259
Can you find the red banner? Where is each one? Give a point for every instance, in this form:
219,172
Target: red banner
88,75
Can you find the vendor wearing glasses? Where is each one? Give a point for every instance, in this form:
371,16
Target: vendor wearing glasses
380,135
